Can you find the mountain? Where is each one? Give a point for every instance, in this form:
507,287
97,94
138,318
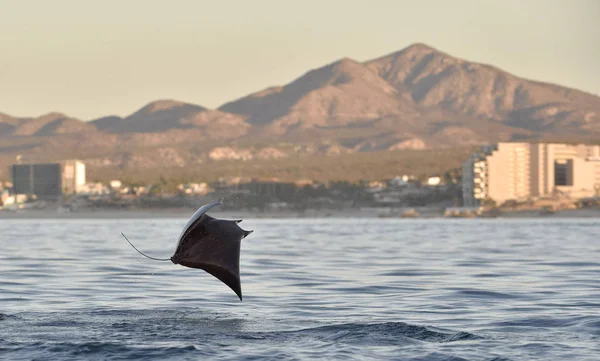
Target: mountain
168,115
338,94
45,125
8,124
415,98
345,102
436,80
423,97
156,116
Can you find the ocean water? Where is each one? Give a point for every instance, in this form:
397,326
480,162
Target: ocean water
314,289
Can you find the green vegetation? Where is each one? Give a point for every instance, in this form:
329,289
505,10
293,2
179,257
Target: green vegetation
352,168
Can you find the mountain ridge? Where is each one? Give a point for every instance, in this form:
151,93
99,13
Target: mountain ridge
416,98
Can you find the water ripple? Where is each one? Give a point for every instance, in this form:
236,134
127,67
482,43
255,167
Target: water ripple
343,289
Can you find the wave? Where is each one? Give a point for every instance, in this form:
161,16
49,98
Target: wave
4,316
379,333
104,350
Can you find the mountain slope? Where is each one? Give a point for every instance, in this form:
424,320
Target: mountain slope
156,116
8,124
338,94
435,79
415,98
420,85
46,125
167,116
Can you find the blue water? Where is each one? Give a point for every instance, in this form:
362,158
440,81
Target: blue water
343,289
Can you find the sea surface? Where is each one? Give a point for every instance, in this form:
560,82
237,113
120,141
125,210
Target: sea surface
313,289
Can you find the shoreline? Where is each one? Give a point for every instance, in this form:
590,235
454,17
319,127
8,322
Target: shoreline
173,213
185,213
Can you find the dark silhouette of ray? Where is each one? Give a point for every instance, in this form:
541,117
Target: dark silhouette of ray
210,244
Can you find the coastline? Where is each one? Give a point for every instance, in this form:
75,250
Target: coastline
184,213
173,213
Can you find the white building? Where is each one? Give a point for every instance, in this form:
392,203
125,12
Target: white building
434,181
73,176
519,171
115,183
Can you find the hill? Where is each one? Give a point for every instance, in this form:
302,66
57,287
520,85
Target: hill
418,98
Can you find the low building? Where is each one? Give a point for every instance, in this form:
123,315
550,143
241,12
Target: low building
4,197
48,179
194,188
115,184
434,181
94,189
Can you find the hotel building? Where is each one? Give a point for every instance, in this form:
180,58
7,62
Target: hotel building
47,180
518,171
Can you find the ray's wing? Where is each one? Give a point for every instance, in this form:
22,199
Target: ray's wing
213,245
196,217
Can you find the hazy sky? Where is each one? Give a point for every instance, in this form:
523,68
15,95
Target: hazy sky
94,58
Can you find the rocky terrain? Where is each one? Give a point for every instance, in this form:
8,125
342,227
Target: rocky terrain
418,98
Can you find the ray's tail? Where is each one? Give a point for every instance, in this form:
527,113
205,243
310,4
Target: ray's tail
142,253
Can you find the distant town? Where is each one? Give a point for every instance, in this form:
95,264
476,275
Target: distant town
508,178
